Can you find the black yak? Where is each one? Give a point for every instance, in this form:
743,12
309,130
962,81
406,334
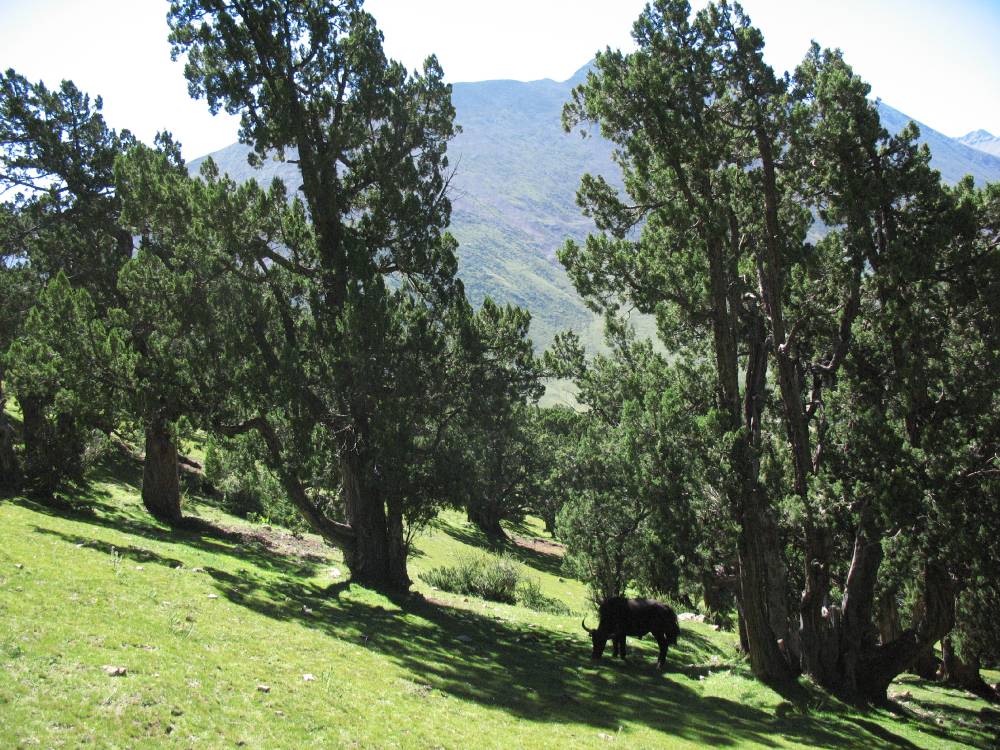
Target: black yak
621,617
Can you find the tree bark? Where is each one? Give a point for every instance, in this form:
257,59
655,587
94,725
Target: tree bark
378,556
857,631
741,627
161,492
934,619
10,468
373,540
486,515
762,598
33,434
889,625
963,672
926,664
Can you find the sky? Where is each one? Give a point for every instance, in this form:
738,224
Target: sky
939,62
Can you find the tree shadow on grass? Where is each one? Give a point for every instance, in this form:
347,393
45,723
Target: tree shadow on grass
973,728
197,534
532,674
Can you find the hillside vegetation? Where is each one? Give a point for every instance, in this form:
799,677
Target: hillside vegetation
247,636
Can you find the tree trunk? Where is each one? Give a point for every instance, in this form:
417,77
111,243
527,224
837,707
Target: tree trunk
378,555
889,625
486,515
763,608
761,593
10,468
857,632
718,588
33,434
161,492
926,664
935,617
963,672
741,627
52,448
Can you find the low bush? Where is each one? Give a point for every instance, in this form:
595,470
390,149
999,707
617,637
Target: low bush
498,578
529,594
493,577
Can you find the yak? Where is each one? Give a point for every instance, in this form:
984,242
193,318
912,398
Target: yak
620,617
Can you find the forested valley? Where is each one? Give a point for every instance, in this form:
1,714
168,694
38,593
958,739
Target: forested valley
803,457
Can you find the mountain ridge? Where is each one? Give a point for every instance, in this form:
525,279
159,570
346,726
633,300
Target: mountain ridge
514,193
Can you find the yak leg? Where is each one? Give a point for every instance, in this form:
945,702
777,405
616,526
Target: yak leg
661,640
621,645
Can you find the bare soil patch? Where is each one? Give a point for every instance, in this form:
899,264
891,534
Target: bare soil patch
545,546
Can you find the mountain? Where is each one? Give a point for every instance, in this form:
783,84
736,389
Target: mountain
982,140
952,158
516,175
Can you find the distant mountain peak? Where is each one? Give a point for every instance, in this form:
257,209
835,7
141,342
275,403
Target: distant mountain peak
981,140
978,135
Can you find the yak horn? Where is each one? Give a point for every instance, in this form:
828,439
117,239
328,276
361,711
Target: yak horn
584,623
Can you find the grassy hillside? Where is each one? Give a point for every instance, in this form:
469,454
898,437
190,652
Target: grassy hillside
245,636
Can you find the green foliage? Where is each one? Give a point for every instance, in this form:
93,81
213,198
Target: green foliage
362,353
837,407
493,577
633,479
555,432
529,594
57,228
497,577
246,486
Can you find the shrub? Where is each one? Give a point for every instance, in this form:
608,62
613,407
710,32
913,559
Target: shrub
529,594
247,488
498,578
493,577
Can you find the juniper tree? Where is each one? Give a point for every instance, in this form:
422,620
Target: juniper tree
56,161
726,166
354,331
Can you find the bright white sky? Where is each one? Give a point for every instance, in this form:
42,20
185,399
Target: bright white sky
937,61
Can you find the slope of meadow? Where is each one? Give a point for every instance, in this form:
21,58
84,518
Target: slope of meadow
233,635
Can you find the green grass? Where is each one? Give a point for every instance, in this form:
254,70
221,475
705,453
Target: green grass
201,619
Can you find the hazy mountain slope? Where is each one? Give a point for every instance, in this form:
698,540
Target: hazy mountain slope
516,174
982,140
515,197
951,158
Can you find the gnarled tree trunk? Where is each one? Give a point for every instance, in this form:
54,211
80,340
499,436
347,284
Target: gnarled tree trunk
486,515
935,618
377,557
889,625
33,433
963,671
161,491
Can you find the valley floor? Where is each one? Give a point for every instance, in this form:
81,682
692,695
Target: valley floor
242,636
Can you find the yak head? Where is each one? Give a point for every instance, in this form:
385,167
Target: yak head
597,637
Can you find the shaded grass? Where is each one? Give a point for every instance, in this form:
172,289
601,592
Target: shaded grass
200,619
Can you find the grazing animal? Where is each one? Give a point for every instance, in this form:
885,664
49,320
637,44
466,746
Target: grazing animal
621,617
